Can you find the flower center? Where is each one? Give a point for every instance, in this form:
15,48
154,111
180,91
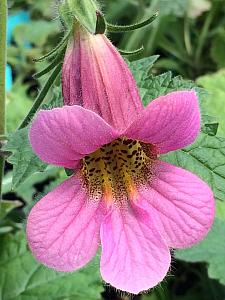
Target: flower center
116,169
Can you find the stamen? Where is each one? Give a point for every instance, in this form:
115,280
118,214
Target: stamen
115,170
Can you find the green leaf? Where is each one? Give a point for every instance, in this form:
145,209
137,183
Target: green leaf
210,125
220,210
210,250
21,103
35,32
215,85
140,68
22,278
206,158
151,87
164,84
24,161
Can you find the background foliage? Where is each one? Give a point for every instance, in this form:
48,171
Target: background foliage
188,39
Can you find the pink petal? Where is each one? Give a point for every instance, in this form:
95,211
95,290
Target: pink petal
63,227
96,77
181,205
134,256
62,136
170,122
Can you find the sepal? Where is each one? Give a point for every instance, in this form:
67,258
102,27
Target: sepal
126,28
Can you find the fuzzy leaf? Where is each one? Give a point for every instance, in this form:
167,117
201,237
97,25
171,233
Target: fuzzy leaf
151,87
23,159
22,278
141,67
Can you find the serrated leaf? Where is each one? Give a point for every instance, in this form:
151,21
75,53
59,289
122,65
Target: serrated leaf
210,250
210,125
151,87
24,161
206,158
18,99
140,68
155,86
22,278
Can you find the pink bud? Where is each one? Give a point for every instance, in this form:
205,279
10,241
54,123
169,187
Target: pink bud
96,77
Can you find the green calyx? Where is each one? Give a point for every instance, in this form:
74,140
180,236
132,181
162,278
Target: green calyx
132,52
100,23
126,28
55,62
84,12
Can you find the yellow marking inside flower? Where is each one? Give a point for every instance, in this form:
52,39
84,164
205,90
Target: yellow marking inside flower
115,170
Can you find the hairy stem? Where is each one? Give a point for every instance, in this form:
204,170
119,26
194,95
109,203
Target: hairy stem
3,24
41,96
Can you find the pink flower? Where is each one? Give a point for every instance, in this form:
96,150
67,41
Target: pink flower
121,194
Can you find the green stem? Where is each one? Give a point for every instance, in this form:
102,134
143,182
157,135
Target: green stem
187,38
204,34
3,49
52,65
54,51
41,96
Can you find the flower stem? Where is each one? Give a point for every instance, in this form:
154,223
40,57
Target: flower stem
41,96
3,49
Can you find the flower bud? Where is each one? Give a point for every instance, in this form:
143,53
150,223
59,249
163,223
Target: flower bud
96,77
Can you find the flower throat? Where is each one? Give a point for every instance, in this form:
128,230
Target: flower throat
114,170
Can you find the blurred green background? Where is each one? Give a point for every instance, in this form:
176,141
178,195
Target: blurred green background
189,37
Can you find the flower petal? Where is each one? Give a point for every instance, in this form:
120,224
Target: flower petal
62,136
170,122
63,227
96,77
181,205
134,256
